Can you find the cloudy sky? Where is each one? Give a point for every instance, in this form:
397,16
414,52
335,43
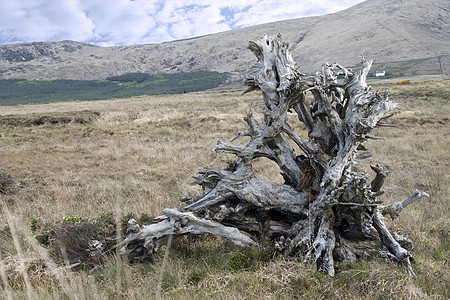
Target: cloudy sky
127,22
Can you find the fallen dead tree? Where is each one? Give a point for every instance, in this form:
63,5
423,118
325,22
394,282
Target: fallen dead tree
325,209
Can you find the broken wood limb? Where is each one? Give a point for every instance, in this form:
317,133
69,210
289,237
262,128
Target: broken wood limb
175,223
394,250
395,209
378,181
226,185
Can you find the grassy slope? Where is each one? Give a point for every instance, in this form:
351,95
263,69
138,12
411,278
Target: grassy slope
140,155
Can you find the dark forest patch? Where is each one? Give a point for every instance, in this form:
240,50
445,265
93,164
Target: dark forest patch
16,91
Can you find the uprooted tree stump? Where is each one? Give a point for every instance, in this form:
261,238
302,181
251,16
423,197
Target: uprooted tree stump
325,209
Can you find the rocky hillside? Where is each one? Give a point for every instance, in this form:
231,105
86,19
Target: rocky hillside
385,30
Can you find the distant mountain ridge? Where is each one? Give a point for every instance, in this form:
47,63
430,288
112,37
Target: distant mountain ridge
385,30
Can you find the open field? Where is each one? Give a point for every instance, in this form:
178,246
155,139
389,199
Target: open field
138,156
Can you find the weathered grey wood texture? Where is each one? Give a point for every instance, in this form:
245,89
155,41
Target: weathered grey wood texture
325,210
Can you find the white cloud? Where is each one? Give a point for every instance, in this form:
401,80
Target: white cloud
276,10
28,20
121,22
200,20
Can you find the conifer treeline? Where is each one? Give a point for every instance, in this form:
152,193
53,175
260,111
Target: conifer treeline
16,91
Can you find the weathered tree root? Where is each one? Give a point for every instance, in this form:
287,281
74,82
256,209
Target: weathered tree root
146,241
324,211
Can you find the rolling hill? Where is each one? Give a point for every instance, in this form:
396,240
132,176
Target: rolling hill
409,35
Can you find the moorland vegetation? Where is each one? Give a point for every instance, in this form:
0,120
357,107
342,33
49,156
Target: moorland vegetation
87,167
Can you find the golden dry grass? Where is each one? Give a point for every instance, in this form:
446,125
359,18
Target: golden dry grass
140,155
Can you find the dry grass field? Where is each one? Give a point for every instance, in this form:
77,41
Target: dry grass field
134,156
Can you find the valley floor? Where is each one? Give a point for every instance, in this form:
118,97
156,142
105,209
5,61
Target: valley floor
138,155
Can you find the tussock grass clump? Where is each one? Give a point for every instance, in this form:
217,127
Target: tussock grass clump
8,184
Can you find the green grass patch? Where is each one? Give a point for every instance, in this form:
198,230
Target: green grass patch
33,82
423,66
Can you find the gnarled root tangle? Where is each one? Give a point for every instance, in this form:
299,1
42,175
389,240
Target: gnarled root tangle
325,211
